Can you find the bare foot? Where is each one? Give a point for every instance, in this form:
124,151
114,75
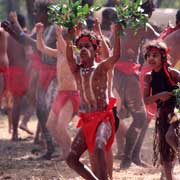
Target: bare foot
141,163
25,128
14,137
119,156
125,163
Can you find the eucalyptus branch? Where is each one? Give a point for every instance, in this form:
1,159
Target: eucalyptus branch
130,14
71,13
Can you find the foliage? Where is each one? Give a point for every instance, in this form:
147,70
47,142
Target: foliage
170,4
130,14
176,93
70,13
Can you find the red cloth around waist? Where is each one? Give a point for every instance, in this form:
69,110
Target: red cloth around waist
127,67
36,61
90,121
46,72
18,81
62,97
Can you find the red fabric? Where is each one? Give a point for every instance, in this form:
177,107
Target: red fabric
5,71
46,72
168,31
127,67
90,121
62,97
18,81
36,61
150,109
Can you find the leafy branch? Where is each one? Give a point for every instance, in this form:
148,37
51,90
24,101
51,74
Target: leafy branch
70,13
130,14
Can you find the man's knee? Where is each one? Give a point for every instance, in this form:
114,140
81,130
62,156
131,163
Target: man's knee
71,160
139,119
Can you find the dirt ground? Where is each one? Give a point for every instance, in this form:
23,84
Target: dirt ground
18,163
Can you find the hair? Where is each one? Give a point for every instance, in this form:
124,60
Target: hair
95,40
156,44
43,5
108,16
21,20
178,17
148,7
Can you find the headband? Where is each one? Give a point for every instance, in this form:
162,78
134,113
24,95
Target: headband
87,38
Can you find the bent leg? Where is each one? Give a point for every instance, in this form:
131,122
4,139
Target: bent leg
78,147
136,153
103,133
172,137
136,107
64,118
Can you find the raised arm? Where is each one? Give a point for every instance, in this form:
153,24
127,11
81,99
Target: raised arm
104,50
14,29
109,63
41,46
69,51
61,44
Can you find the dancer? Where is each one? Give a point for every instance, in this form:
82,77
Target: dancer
96,124
67,100
158,86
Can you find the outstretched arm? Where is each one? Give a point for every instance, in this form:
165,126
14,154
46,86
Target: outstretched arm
109,63
41,46
14,29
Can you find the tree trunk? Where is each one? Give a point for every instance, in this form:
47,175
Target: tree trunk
29,6
12,5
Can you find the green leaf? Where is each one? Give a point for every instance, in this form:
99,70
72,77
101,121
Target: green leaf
70,13
130,15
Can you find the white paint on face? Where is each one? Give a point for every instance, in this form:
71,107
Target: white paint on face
85,53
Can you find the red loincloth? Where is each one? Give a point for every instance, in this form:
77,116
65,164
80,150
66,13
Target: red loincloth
62,97
18,81
90,121
128,67
46,72
36,61
5,71
150,109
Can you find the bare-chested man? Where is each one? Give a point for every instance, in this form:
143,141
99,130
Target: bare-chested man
67,100
47,74
126,88
96,124
3,68
18,77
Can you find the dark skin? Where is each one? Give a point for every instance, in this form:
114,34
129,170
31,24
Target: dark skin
4,63
50,40
129,52
93,103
